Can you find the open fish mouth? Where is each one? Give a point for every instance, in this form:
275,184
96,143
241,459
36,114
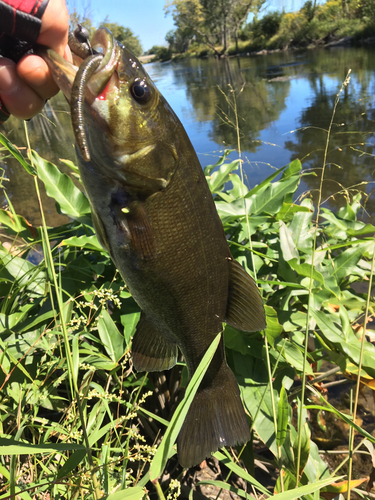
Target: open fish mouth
84,83
64,72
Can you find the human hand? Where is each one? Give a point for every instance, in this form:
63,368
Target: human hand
25,86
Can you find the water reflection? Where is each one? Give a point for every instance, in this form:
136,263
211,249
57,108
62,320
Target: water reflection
284,105
50,134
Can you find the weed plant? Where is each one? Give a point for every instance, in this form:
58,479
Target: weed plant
77,422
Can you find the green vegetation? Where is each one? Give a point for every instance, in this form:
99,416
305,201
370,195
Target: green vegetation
77,422
220,25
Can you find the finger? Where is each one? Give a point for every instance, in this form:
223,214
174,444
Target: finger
18,98
55,26
35,72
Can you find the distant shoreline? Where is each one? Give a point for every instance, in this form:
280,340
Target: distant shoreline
346,41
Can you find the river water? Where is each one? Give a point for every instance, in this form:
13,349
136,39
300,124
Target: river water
284,104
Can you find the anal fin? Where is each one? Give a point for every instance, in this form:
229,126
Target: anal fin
245,309
151,352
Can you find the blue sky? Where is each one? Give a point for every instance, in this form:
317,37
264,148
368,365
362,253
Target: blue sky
146,18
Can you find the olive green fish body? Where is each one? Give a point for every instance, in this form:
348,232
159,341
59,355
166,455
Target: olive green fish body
153,211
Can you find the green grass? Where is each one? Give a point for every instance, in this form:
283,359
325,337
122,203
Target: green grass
77,422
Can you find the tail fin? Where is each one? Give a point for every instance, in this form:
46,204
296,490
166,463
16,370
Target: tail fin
216,418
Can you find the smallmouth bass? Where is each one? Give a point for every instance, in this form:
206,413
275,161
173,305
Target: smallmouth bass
154,213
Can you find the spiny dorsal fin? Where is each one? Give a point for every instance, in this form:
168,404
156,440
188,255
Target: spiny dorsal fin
245,309
151,352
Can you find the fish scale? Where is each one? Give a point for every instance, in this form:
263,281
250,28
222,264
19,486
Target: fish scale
153,211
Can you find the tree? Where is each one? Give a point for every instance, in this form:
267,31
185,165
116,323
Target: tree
212,20
124,35
178,40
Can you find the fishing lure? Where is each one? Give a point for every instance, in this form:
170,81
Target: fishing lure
84,73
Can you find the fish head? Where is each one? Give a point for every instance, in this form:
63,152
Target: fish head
129,127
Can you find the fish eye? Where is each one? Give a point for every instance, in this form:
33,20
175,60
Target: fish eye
140,92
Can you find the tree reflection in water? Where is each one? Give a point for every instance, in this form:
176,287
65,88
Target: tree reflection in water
284,103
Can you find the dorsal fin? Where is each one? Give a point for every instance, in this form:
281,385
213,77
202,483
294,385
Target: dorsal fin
245,309
151,352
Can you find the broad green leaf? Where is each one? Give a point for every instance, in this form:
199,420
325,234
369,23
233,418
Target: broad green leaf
220,177
221,160
301,228
134,493
252,377
293,168
267,180
346,262
26,273
316,468
97,414
266,197
347,344
294,356
304,490
9,446
100,362
343,486
238,190
70,199
18,156
282,417
161,456
305,446
113,341
89,242
308,271
17,223
350,210
289,210
73,461
273,329
287,244
271,199
129,322
364,229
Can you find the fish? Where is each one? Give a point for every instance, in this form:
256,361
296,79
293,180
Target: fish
154,213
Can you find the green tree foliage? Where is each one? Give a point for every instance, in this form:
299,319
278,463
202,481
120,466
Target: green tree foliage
215,22
177,41
124,35
312,24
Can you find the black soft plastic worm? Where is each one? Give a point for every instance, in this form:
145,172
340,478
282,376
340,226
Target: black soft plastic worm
84,73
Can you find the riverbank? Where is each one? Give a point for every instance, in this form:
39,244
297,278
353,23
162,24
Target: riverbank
203,52
312,26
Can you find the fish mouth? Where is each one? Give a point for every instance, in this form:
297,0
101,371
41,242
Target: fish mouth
64,72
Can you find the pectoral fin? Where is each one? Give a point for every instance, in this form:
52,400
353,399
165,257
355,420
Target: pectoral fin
245,309
151,352
141,232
